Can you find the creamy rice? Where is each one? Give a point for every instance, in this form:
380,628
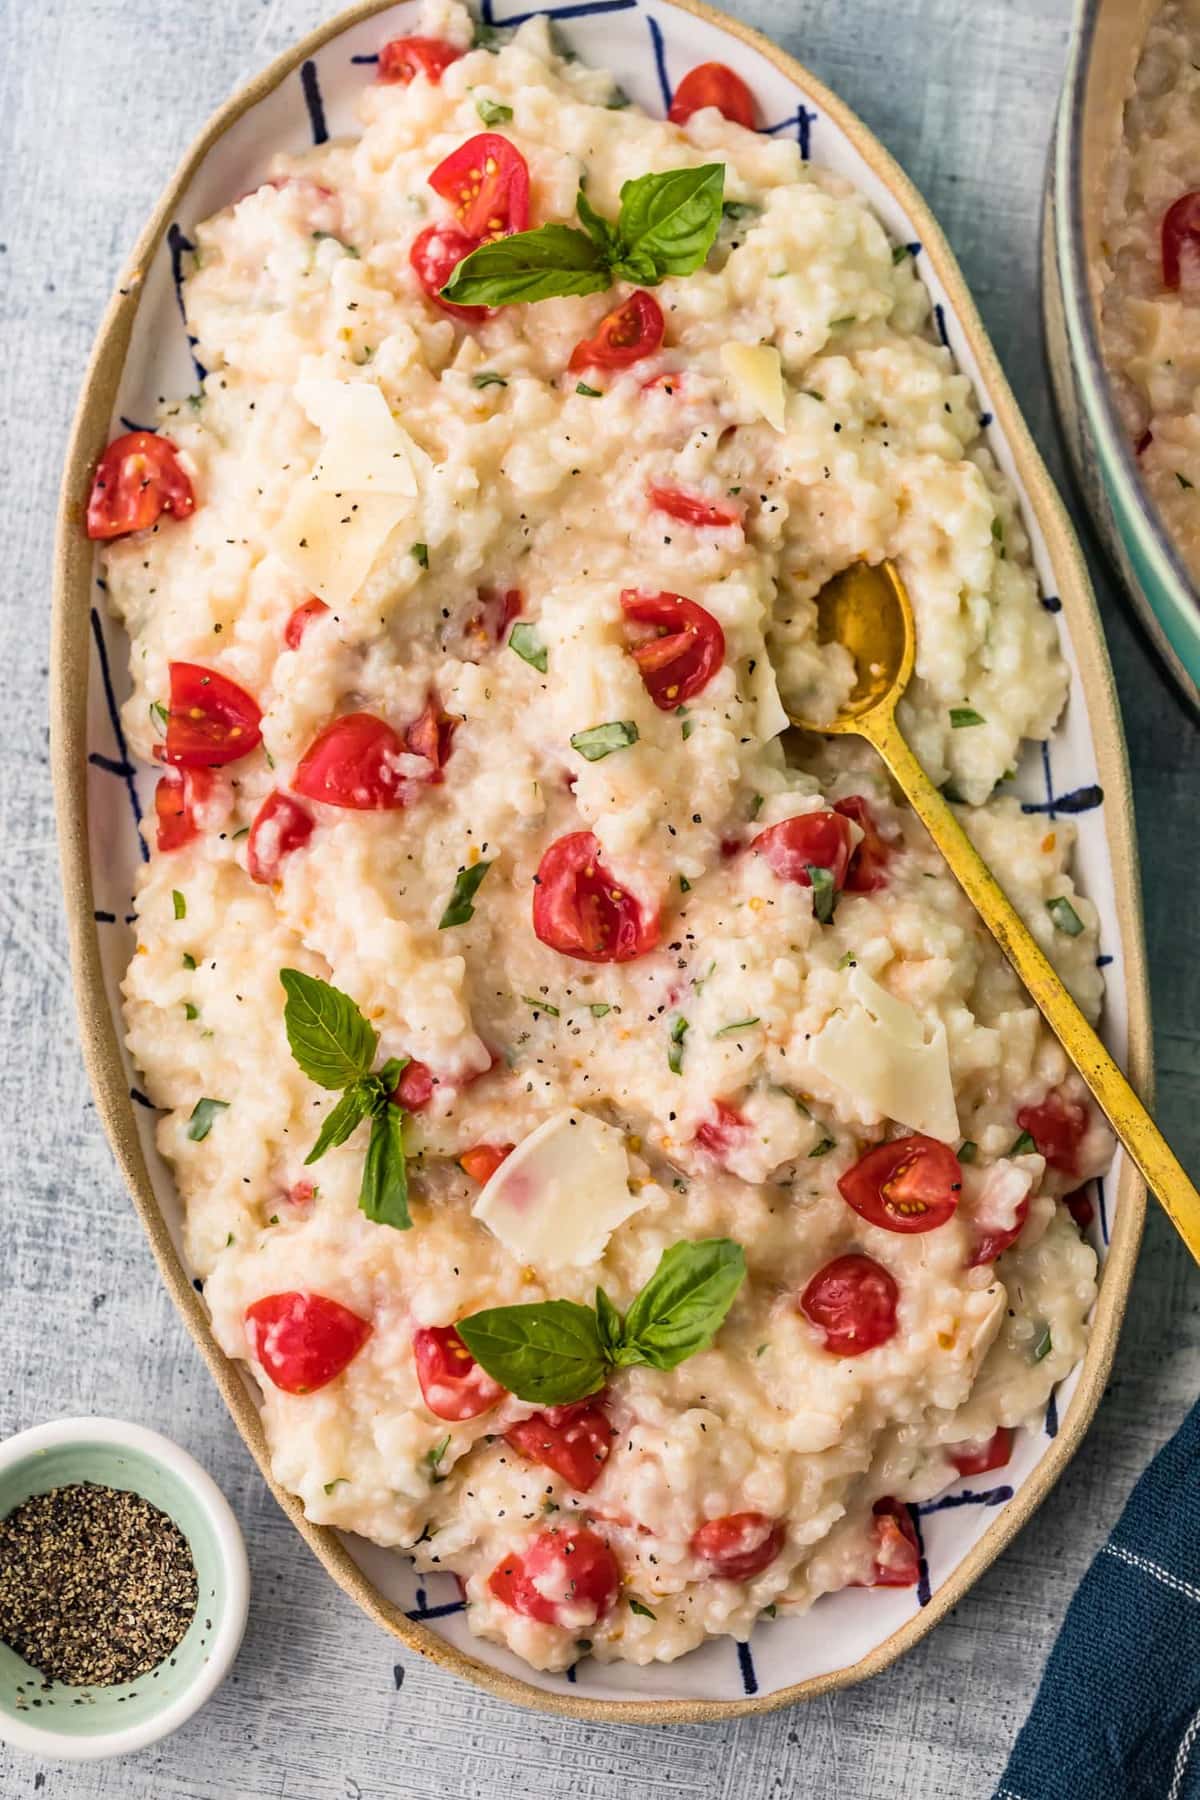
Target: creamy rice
526,484
1151,322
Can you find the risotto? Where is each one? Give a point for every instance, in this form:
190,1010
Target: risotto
627,1166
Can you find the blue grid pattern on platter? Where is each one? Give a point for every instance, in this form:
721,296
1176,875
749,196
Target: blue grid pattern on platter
1085,797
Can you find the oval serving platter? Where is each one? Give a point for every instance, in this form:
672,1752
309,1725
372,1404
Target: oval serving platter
142,350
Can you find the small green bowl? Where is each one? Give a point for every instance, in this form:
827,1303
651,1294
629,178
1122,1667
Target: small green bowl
74,1722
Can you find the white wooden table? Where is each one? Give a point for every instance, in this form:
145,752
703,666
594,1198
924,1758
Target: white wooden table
97,100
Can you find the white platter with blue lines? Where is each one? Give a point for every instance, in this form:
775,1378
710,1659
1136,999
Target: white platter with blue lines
144,352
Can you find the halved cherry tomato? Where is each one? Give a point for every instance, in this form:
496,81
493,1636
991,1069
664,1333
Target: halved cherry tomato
712,84
1079,1205
688,647
404,58
816,840
415,1088
435,253
870,856
693,509
281,825
721,1130
486,180
898,1554
852,1300
176,798
579,910
565,1578
301,619
994,1241
210,720
911,1184
303,1341
574,1441
977,1455
625,335
352,763
1057,1126
138,478
739,1545
1181,239
481,1161
453,1385
430,735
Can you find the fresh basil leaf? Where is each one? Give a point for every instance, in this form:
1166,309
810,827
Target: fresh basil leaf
1043,1346
1064,915
609,1323
459,907
599,741
487,378
671,218
1020,1146
158,711
353,1107
420,554
822,1149
190,1012
549,1353
179,904
589,393
598,1008
203,1114
492,112
640,1607
530,265
529,647
962,716
433,1458
601,232
638,266
684,1303
383,1196
328,1036
679,1031
189,961
824,893
738,1025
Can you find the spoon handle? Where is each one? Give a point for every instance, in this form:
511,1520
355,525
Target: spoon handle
1141,1137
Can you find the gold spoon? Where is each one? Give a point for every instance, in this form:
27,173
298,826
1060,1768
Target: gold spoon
867,610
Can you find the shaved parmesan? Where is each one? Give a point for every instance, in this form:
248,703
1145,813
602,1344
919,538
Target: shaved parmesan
755,372
769,716
880,1053
330,541
363,450
557,1199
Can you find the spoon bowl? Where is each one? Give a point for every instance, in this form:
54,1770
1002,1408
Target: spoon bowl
866,609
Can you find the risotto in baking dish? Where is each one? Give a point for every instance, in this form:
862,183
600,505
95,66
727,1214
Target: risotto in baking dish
606,1132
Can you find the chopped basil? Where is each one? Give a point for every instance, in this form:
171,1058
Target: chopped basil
598,1008
541,1006
529,647
847,961
459,908
433,1457
617,101
739,209
967,1151
756,806
487,378
639,1607
822,1149
687,728
190,1011
1065,917
599,741
1022,1145
589,393
203,1114
899,252
1043,1346
337,1482
836,324
159,711
1183,480
824,893
420,553
238,835
189,961
762,1350
492,112
179,903
679,1031
769,1612
962,716
685,886
738,1025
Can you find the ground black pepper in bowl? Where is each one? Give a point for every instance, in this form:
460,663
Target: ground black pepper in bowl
97,1586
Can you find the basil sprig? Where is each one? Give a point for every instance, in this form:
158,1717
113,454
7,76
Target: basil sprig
335,1047
666,226
553,1352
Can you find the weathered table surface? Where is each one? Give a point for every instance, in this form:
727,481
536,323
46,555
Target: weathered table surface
97,99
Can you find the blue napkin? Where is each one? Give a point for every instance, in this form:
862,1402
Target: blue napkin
1117,1716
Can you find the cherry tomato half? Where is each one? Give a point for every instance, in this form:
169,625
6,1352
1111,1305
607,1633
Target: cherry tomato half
404,58
301,619
453,1385
1079,1204
435,253
352,763
712,84
564,1578
994,1240
897,1554
870,856
721,1130
481,1161
415,1088
739,1545
977,1455
852,1300
579,910
486,180
1057,1126
210,720
574,1441
303,1341
687,649
816,840
625,335
178,794
693,509
911,1184
138,478
1180,239
281,825
431,735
